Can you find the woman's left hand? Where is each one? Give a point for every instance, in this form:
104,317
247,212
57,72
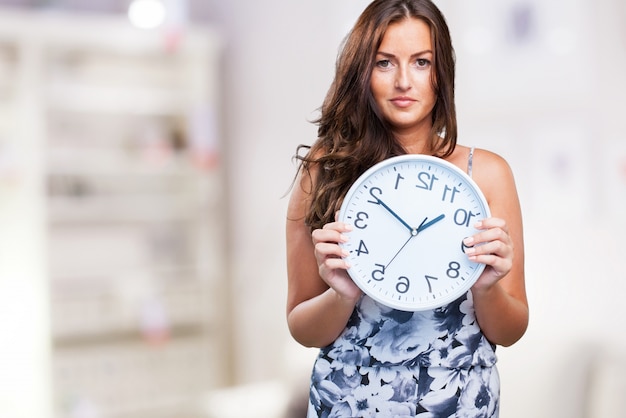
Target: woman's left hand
492,246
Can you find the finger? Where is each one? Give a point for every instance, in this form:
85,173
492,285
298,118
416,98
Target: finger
499,265
339,226
492,234
495,254
490,223
328,234
324,250
331,264
497,248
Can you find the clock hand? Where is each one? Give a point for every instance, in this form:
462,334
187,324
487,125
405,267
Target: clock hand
383,204
403,245
413,234
423,226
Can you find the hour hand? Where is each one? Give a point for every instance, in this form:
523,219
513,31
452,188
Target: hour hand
383,204
425,225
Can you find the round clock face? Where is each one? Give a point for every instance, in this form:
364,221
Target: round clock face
410,215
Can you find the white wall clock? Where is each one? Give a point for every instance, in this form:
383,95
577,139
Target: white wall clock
410,215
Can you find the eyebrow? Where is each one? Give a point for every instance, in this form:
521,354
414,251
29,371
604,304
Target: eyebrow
417,54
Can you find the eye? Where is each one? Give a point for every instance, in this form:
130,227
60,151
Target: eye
385,63
422,62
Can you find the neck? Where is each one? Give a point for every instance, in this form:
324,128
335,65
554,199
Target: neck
416,141
416,145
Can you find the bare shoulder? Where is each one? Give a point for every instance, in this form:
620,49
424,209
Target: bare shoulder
493,175
489,162
485,164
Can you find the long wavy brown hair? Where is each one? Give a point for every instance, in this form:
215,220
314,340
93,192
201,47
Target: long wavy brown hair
352,135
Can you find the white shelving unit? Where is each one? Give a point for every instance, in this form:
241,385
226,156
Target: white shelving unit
128,188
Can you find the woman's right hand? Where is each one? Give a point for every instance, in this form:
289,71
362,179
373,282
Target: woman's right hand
330,260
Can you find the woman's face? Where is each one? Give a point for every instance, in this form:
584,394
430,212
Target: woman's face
401,78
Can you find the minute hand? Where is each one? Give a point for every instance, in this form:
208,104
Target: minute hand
383,204
430,223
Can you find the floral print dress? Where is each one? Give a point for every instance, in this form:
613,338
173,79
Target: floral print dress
391,363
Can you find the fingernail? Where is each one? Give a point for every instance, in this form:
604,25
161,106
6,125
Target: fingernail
468,241
348,227
344,238
469,251
478,225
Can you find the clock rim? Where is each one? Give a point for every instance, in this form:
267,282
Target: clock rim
398,159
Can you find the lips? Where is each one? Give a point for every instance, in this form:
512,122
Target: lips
403,101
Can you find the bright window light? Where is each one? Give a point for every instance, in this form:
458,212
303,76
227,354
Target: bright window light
146,14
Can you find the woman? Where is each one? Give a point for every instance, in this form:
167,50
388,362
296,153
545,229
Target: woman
393,94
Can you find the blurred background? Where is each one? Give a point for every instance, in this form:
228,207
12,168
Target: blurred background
145,163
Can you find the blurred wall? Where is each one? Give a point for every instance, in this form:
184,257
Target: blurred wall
278,63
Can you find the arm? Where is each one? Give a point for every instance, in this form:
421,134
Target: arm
499,294
320,294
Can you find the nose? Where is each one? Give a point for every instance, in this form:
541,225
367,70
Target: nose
402,81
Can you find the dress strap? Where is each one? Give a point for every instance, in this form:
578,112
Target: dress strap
470,162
